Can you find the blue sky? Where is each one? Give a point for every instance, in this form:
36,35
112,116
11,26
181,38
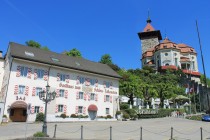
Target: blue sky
97,27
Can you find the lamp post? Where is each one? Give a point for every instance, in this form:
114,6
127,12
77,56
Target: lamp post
46,98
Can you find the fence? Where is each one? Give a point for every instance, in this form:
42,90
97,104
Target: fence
167,133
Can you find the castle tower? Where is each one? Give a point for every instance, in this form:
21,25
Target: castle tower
149,37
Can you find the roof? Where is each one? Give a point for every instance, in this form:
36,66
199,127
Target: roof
148,28
46,57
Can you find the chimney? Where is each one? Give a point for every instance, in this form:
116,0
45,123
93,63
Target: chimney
1,54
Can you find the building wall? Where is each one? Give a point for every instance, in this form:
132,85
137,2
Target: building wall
1,72
148,43
71,87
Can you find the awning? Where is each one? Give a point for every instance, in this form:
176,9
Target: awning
19,104
92,108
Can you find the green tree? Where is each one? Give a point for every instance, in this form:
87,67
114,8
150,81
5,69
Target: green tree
106,59
74,52
129,85
207,80
34,44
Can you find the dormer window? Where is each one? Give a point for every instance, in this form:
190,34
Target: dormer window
165,47
166,54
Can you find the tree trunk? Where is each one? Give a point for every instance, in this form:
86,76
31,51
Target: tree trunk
131,99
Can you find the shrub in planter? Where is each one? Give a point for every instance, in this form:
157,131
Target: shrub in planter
4,116
74,116
39,134
63,115
132,113
39,117
108,116
118,112
126,115
124,106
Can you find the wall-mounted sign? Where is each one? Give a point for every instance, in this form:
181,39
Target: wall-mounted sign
87,89
110,92
77,87
20,98
98,90
66,85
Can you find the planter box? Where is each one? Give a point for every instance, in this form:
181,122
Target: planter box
4,120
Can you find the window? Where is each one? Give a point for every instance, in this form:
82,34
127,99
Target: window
92,82
164,47
107,98
80,95
23,71
36,109
192,57
38,90
92,96
193,65
80,108
175,54
62,77
55,59
40,74
166,54
82,80
60,108
61,93
21,89
157,56
107,110
166,64
29,54
176,62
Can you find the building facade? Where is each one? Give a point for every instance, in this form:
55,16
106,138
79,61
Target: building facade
161,55
82,87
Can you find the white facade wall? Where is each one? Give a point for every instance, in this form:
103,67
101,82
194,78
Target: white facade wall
71,102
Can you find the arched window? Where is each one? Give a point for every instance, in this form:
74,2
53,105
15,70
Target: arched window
166,64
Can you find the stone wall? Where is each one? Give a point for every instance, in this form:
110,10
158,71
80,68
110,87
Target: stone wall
148,43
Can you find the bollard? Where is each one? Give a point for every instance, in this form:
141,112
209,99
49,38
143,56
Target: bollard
201,133
171,133
81,132
55,131
140,133
110,132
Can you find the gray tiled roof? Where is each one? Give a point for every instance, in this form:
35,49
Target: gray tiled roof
43,56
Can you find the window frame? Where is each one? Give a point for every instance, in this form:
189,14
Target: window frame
61,94
23,71
21,87
40,74
80,109
36,109
60,108
37,94
62,77
81,95
107,98
92,96
107,111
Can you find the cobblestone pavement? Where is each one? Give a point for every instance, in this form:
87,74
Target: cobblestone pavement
152,129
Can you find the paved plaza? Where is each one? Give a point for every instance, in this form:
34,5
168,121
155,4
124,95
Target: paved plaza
152,129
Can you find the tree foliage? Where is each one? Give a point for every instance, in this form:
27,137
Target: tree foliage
106,59
74,52
34,44
207,80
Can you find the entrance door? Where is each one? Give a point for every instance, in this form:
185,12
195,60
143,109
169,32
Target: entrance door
92,114
18,115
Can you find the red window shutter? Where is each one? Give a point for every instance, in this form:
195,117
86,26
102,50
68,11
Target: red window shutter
67,78
56,108
96,97
41,109
45,75
104,98
18,71
57,92
78,82
29,73
65,109
76,110
34,91
16,90
35,74
66,94
58,76
110,97
77,95
32,109
85,96
27,90
84,110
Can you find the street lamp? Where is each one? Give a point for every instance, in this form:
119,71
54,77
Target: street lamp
46,98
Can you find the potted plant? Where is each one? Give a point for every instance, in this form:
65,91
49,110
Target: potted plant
118,114
4,119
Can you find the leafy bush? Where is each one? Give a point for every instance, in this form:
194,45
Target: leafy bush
131,112
124,106
74,116
63,115
126,115
196,117
118,112
109,116
39,117
39,134
4,116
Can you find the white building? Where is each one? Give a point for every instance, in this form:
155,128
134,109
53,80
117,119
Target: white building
165,54
82,87
1,80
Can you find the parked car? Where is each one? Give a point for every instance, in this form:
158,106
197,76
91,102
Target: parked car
206,118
